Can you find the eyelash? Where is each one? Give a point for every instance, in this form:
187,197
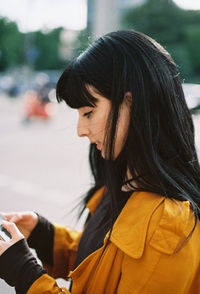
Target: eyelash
88,114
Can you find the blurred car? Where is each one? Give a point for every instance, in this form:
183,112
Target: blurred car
17,83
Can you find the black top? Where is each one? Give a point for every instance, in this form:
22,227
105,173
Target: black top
19,268
97,227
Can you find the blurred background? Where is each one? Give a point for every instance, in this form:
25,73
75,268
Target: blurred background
43,164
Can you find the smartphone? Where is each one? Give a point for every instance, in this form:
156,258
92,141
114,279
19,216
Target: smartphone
4,235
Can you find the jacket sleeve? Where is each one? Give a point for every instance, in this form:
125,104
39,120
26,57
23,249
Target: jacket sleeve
64,255
46,284
64,252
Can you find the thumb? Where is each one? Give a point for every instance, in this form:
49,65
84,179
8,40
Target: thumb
13,230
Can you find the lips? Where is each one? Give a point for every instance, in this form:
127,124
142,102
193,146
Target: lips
98,144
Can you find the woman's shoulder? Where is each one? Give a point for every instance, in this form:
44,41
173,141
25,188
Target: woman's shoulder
151,218
169,229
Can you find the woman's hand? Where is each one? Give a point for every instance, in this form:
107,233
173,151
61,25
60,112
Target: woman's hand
26,221
15,234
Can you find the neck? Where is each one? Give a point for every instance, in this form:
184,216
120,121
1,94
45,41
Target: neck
127,186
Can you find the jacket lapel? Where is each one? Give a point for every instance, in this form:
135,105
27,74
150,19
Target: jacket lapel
130,229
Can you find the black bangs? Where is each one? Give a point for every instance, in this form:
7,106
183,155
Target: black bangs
72,88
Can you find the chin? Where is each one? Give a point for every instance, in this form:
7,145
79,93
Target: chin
104,156
116,154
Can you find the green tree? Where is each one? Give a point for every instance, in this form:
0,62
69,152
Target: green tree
193,46
11,45
47,46
81,43
37,49
176,29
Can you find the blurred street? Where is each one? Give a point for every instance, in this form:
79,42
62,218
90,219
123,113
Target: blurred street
44,164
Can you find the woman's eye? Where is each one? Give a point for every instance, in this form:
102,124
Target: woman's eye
87,114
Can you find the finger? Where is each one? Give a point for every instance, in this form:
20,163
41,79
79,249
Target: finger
7,216
15,218
3,215
12,217
12,229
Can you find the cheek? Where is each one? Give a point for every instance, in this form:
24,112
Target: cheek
98,124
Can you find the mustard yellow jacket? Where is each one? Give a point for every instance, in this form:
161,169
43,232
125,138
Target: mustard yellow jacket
147,252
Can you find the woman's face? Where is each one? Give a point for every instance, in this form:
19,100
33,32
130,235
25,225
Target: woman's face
92,122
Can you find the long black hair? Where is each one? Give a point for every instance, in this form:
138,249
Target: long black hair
159,151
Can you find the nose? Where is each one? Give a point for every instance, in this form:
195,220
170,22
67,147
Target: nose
82,129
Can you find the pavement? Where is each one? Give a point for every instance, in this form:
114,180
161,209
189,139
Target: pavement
44,165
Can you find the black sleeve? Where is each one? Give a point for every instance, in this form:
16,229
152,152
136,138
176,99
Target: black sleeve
41,239
19,268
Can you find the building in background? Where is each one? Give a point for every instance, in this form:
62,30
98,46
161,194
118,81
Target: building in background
67,39
104,15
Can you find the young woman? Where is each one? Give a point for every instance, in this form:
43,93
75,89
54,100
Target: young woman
142,234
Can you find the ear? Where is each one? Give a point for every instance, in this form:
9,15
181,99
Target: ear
128,98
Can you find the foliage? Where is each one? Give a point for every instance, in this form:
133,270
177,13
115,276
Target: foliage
81,43
37,49
48,49
176,29
11,45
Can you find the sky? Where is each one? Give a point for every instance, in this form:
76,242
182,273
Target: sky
188,4
32,15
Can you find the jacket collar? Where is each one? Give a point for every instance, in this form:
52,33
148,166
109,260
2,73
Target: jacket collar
130,229
131,241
